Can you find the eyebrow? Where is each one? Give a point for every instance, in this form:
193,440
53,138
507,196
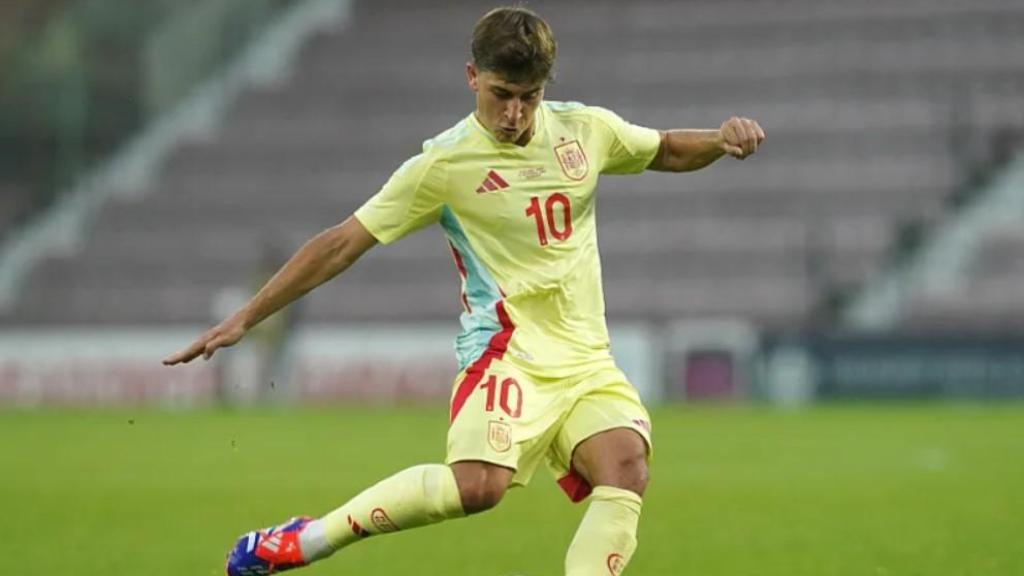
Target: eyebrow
507,91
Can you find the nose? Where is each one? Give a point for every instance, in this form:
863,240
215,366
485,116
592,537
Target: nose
514,110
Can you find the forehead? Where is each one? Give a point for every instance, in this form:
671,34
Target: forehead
495,80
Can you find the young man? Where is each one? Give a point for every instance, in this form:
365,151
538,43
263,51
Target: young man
512,186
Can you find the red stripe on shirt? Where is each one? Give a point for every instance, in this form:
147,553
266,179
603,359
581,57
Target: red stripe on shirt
462,273
495,351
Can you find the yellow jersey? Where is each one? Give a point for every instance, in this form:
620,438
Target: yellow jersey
521,227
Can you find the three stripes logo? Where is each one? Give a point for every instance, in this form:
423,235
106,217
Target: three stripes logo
492,182
272,543
275,543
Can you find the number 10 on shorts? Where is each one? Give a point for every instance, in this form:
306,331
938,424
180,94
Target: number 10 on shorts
510,397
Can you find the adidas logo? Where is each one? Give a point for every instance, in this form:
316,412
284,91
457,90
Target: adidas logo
491,183
274,543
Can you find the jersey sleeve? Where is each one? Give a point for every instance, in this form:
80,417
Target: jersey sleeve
629,148
408,201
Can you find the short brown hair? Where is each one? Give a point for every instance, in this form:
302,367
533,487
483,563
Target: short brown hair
516,43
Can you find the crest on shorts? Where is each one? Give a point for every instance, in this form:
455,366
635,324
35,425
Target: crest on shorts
572,160
382,521
499,436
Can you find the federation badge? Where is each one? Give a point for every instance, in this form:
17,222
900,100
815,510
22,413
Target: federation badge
499,436
382,521
572,160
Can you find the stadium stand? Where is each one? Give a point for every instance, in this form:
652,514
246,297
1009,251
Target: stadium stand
862,103
990,299
18,19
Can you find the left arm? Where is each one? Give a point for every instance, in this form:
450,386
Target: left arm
687,150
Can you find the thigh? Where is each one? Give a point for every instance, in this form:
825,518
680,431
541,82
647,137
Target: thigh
504,417
611,404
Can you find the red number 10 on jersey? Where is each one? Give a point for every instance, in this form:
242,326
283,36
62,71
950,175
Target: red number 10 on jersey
546,221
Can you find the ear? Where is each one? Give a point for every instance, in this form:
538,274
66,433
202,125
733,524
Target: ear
471,76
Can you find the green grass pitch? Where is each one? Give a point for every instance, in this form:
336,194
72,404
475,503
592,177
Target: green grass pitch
853,490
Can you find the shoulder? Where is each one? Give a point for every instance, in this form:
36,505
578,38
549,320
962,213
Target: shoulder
423,170
437,149
578,112
431,165
450,141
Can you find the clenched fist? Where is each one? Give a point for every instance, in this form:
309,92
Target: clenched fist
740,137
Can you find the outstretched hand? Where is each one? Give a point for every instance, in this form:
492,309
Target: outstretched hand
225,334
740,137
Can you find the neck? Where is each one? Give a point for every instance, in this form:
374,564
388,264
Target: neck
527,134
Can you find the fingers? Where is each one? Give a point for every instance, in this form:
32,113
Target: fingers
186,355
741,136
734,151
223,335
750,135
731,138
755,133
212,346
204,346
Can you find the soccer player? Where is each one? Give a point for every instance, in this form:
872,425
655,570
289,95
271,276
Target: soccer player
512,187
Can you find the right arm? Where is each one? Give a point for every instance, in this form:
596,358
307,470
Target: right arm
323,257
688,150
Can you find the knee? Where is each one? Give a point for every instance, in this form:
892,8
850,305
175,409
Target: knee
480,496
479,490
626,472
634,474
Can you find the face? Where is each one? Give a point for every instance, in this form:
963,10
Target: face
505,108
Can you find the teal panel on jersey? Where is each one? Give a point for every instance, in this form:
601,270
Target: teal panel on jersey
480,323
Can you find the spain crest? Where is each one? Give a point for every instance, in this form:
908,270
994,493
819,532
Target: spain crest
499,436
572,160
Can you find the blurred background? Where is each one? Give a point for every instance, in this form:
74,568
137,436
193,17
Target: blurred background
160,159
159,162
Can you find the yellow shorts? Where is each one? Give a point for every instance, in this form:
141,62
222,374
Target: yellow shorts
502,415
